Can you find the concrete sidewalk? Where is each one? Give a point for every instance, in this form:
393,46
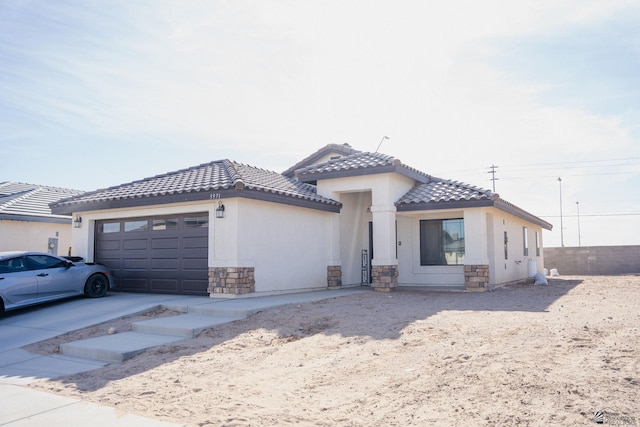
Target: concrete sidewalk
26,407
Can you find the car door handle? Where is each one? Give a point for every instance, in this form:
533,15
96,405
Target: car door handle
43,274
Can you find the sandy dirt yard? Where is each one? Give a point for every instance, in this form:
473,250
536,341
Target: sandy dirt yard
520,355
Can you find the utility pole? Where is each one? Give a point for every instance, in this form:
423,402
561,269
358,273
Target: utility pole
493,176
561,225
578,207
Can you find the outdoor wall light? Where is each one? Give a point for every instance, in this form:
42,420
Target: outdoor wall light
220,210
77,222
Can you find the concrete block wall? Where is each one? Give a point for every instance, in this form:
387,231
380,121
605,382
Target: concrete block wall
593,259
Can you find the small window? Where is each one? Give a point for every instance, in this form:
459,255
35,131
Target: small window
525,241
165,224
442,242
136,225
506,246
537,243
110,227
197,222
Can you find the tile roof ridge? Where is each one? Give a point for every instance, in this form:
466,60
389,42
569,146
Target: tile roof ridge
236,178
345,149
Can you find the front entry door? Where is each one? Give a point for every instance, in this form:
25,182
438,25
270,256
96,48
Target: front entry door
370,248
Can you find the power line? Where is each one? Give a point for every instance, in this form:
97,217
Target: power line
595,214
572,162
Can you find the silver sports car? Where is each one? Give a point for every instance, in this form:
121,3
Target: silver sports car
28,278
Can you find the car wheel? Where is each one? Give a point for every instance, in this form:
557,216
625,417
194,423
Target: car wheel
96,286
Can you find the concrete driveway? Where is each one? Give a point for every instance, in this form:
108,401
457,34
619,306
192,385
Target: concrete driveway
28,325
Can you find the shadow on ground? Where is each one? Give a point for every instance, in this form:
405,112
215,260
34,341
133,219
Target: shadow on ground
372,320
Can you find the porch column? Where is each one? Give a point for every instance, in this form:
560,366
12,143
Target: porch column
334,262
384,267
476,257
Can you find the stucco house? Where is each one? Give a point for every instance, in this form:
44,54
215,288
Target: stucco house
26,220
339,217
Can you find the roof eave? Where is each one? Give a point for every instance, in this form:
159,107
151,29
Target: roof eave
453,204
195,196
461,204
51,219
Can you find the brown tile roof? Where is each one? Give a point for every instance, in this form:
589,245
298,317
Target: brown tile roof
339,149
444,191
359,164
213,176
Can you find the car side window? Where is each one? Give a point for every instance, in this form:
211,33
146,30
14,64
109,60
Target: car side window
13,265
39,262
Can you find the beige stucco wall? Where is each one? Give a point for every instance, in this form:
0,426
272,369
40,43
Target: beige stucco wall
365,198
410,272
515,267
287,245
34,236
354,234
484,228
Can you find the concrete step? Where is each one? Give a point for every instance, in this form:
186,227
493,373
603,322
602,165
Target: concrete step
185,325
117,347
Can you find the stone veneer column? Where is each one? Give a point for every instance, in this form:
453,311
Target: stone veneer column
384,278
334,276
231,280
476,277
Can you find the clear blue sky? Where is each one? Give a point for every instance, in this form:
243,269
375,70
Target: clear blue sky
98,93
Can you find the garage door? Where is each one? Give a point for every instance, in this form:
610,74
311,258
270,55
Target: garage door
165,254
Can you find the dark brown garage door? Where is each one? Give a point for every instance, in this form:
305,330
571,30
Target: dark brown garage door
166,255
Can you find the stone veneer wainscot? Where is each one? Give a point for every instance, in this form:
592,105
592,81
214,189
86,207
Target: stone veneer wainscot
334,276
231,280
476,277
384,278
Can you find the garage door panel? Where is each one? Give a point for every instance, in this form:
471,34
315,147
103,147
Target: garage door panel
135,264
108,245
112,263
165,285
133,284
194,287
165,243
195,264
165,264
135,244
167,259
195,242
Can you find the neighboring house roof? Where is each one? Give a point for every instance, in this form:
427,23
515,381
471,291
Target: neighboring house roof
28,202
327,150
218,179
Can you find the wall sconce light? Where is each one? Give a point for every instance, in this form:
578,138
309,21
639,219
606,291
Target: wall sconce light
220,210
77,222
